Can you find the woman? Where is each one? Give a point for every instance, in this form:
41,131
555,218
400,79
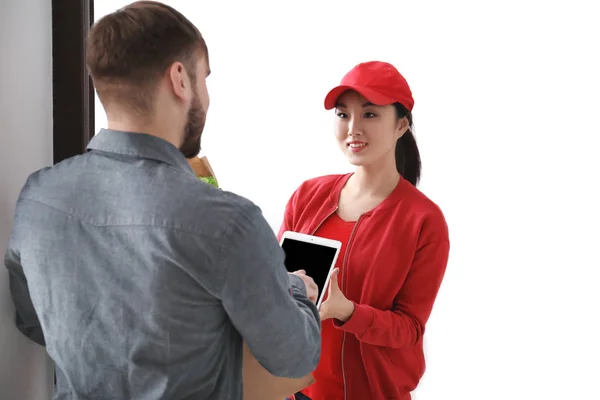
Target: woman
394,243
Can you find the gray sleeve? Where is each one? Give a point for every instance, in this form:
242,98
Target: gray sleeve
26,318
267,305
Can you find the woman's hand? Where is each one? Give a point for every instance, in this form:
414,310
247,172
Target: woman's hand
337,305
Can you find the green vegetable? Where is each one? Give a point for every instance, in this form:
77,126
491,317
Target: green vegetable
210,180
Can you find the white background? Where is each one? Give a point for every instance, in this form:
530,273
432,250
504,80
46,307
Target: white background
507,99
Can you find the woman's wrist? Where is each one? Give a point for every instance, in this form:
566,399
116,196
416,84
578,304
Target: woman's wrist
346,311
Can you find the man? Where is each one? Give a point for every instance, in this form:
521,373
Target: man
142,281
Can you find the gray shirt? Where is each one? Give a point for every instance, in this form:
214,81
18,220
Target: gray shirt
143,281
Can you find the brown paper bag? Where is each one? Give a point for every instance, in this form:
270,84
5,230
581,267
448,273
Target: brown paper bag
258,383
202,169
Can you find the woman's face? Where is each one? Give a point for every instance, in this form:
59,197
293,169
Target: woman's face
366,133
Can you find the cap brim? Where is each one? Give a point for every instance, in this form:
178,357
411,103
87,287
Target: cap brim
374,97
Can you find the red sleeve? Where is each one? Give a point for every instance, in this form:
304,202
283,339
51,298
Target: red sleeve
288,221
403,326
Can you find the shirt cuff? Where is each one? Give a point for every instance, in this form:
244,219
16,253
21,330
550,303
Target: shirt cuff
297,286
359,322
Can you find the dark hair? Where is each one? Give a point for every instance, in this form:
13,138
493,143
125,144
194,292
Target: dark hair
408,158
129,50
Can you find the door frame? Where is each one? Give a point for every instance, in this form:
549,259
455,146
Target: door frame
73,93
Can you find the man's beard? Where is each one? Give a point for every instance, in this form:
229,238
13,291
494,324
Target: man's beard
193,129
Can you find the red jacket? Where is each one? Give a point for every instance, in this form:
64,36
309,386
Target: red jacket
393,268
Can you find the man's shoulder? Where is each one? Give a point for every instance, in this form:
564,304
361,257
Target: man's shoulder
106,193
196,192
46,176
209,208
61,171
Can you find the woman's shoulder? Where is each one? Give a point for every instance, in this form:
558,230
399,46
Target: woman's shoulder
420,200
318,189
418,204
323,182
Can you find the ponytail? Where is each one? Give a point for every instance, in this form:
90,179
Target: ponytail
408,158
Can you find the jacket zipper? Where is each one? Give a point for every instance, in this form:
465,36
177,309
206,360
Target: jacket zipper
342,287
323,221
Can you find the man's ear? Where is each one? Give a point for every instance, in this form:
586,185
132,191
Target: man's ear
179,81
403,126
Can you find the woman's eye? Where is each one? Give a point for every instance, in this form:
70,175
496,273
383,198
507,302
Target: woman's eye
369,115
342,115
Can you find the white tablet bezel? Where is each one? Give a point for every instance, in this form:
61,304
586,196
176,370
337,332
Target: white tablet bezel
301,237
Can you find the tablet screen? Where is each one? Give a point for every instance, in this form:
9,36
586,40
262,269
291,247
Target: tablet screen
315,259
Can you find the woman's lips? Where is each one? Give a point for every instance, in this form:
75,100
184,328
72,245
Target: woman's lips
355,147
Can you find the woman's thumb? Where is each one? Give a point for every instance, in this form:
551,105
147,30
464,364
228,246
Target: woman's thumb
334,279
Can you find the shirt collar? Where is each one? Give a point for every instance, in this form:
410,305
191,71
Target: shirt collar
138,145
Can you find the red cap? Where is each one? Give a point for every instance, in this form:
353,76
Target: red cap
378,82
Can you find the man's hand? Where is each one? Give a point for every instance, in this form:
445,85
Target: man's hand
337,305
312,290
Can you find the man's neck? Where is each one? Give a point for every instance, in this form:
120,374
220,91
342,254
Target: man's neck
149,129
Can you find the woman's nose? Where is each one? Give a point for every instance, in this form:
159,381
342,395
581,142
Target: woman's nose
354,129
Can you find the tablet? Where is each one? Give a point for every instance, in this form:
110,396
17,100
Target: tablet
315,255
